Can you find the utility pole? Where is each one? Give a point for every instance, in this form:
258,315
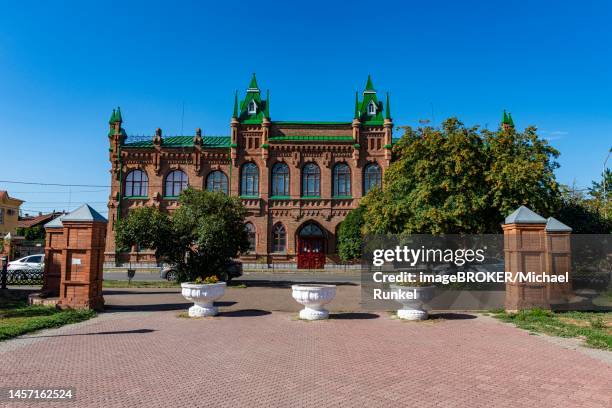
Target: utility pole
605,197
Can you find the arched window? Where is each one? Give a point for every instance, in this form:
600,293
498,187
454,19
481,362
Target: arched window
311,180
311,230
279,238
217,181
136,184
249,180
372,177
250,229
176,181
371,108
342,180
280,180
252,107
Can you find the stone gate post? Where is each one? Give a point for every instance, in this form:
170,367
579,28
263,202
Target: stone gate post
75,251
558,259
55,246
525,251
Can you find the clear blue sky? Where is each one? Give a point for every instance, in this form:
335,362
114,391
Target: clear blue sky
64,66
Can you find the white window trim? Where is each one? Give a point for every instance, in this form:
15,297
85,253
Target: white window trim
372,108
254,110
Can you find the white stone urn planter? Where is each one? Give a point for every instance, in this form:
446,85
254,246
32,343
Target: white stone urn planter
313,297
203,295
412,309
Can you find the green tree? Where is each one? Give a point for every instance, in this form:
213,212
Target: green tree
581,213
601,202
349,235
520,171
200,238
462,180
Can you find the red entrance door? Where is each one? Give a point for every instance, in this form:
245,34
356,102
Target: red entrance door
311,253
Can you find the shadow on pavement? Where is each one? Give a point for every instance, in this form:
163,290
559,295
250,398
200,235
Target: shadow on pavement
133,292
353,316
136,331
244,313
262,283
162,307
451,316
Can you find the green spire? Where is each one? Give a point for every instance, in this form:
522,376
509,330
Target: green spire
118,117
253,85
505,118
356,105
510,121
267,109
388,108
112,118
369,85
235,115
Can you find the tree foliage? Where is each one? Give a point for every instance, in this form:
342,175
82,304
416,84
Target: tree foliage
457,179
204,233
349,235
581,213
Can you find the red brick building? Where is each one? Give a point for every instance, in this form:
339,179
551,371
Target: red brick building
298,180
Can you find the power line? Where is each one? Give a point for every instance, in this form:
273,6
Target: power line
51,184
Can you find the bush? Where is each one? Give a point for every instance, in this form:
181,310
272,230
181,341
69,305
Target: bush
349,235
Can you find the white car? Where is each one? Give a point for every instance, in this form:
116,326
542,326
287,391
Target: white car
32,262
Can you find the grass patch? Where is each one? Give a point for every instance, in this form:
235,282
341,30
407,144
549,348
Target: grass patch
17,318
594,328
139,284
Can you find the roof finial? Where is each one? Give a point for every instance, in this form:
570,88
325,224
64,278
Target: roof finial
112,118
235,114
118,117
253,85
388,108
267,109
369,85
356,105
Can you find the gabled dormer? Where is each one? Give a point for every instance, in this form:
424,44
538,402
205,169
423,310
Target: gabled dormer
252,108
369,111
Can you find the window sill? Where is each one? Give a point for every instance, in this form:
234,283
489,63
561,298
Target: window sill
280,198
136,197
342,198
310,197
170,197
249,197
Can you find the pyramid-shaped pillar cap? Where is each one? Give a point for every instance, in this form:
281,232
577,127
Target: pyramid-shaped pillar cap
524,215
554,225
83,214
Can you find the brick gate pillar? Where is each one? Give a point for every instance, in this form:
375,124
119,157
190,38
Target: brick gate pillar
558,259
54,251
525,251
84,234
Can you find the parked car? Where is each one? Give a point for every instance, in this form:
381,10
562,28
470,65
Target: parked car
27,263
234,270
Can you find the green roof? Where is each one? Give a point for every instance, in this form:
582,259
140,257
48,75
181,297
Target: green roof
369,96
294,122
370,85
184,141
296,138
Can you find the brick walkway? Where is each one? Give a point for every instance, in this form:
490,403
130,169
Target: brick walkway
251,359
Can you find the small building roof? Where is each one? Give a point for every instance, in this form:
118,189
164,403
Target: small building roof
37,220
524,215
83,213
554,225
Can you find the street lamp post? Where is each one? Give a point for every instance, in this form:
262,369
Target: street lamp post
605,201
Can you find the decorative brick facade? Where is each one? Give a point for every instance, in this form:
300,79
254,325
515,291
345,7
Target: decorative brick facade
361,145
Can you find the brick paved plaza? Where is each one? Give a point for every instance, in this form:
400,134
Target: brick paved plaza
254,357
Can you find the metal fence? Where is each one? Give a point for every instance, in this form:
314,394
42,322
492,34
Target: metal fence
21,277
